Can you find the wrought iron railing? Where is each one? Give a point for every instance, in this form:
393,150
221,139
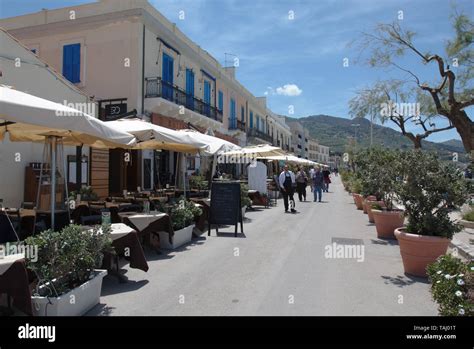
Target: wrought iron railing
253,132
235,124
155,87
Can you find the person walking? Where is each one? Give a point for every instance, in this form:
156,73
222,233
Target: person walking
318,184
286,181
327,179
301,182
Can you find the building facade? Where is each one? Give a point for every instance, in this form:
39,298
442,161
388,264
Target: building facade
132,59
24,71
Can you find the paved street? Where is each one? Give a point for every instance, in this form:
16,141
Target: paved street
281,269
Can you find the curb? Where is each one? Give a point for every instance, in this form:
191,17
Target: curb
465,250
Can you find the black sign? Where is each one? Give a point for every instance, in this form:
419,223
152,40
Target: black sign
113,110
225,205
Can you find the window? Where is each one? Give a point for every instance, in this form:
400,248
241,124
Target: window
167,77
221,101
242,114
233,116
258,122
251,119
33,50
189,89
72,62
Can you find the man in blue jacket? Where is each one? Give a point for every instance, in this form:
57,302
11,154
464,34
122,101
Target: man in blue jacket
318,184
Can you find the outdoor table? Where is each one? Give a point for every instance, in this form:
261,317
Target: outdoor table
147,224
124,237
14,282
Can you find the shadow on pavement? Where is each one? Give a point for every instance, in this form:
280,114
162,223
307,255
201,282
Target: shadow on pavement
112,286
390,242
405,280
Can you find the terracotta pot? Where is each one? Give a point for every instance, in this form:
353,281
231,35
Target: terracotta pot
370,214
364,202
418,251
386,222
358,200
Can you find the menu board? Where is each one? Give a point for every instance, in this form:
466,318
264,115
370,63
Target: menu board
225,208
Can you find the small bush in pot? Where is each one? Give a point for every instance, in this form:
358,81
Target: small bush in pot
184,213
244,196
67,259
452,285
429,191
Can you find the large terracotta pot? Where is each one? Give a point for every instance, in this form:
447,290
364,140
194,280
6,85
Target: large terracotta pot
358,200
386,222
364,202
418,251
369,204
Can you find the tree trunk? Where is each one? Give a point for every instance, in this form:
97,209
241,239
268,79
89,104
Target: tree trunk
415,139
465,127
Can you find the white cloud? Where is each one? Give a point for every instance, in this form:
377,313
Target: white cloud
289,90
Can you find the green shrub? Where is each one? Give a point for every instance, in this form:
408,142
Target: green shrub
469,216
198,182
184,213
429,192
66,259
452,285
244,195
87,194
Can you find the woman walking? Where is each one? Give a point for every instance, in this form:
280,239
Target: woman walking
327,179
301,182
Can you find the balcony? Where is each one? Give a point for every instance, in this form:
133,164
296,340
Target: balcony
236,125
155,87
253,132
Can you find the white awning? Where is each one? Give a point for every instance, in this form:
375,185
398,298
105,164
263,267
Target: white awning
28,118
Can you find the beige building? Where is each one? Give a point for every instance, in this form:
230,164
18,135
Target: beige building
132,59
24,71
299,139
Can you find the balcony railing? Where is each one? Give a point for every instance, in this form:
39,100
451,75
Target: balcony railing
155,87
253,132
236,125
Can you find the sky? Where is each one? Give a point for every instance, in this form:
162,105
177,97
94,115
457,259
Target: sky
293,51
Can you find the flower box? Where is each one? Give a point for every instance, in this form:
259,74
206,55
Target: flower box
179,238
76,302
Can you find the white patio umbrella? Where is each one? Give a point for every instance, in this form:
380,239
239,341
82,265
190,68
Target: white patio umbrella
28,118
258,151
153,136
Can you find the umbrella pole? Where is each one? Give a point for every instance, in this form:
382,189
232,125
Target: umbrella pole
183,163
53,180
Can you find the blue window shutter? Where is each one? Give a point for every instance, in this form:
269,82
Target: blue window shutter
242,114
76,63
221,101
207,92
251,120
72,62
67,62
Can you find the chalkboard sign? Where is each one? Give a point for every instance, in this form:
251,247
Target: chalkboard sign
225,206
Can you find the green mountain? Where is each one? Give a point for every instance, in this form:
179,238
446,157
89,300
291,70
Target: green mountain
336,133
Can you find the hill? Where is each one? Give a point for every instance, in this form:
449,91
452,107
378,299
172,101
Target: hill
336,133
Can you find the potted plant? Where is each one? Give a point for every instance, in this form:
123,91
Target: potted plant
467,219
429,192
183,216
452,285
244,198
356,188
68,282
86,194
383,166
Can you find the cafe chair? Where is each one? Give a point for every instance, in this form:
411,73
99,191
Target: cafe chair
131,208
7,232
91,220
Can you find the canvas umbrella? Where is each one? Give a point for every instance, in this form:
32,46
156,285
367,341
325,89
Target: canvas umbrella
27,118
